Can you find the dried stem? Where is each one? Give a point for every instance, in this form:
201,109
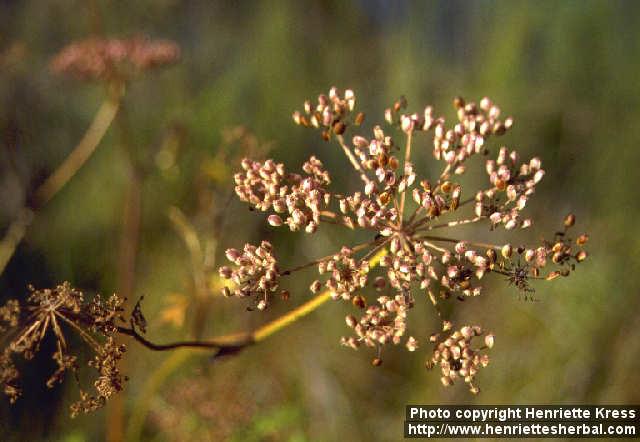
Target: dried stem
81,153
16,231
453,240
352,158
324,258
61,176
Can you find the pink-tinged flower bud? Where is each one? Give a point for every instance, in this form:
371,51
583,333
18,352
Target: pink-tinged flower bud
569,220
351,321
369,188
412,344
299,217
225,272
360,142
522,202
535,164
388,116
538,176
467,332
470,255
486,104
489,340
502,156
461,247
232,254
452,272
449,156
274,220
406,123
529,255
311,227
582,239
508,123
315,286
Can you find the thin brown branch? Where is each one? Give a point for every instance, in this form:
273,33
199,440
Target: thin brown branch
352,159
224,344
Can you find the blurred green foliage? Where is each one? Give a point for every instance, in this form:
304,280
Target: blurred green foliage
566,70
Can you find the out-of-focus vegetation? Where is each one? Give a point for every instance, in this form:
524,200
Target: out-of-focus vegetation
568,73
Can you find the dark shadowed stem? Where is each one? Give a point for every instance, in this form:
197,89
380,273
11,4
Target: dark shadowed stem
224,344
14,234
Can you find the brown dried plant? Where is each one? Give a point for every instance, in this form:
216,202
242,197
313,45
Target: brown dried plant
59,311
418,260
381,277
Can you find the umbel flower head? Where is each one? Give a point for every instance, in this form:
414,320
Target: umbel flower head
98,58
405,210
58,312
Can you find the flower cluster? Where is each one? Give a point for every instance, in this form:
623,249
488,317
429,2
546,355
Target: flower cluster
267,186
59,311
96,58
456,356
381,324
346,274
416,257
256,275
331,113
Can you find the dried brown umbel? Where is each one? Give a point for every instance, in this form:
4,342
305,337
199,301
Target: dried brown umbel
98,59
411,256
61,311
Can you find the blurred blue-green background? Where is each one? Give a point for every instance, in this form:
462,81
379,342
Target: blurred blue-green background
566,70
